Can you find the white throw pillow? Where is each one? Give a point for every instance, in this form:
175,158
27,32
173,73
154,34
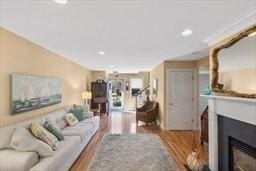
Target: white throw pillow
41,133
71,119
23,140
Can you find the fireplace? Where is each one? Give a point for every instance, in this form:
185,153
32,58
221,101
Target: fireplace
236,145
242,157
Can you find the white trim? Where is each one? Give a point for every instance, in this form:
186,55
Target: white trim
236,27
240,109
167,92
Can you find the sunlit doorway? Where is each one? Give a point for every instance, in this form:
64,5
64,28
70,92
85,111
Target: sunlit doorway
117,94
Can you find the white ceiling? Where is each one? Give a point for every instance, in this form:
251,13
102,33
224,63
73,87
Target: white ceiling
135,35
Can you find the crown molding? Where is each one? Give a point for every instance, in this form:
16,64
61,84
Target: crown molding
236,27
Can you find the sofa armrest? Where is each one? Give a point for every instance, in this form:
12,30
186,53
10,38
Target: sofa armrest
17,161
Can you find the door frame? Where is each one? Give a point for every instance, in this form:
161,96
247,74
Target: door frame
195,90
123,94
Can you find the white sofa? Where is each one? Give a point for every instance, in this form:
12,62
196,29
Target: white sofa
76,138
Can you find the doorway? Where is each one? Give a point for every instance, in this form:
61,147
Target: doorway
117,94
180,99
204,81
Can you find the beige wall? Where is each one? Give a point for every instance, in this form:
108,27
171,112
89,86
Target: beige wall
99,75
129,101
18,55
158,73
203,64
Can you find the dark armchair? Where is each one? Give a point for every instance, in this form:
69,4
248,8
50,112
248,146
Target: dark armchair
148,112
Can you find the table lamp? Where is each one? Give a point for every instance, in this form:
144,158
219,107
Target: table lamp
86,95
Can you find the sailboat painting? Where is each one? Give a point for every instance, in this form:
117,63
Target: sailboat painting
33,92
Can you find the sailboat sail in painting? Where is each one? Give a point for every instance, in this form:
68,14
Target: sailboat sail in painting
33,92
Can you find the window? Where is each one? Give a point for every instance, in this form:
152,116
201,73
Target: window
136,85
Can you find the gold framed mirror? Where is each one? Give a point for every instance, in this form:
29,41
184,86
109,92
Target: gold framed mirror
234,66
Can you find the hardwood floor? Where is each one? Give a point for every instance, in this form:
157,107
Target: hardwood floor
178,143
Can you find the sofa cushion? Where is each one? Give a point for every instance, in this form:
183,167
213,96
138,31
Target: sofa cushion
12,160
83,131
23,140
67,149
41,133
7,131
94,121
57,118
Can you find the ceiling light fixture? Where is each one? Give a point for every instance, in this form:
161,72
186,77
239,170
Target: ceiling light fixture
252,34
101,53
111,66
61,1
186,32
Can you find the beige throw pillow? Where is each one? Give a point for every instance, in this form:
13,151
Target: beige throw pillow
71,119
41,133
23,140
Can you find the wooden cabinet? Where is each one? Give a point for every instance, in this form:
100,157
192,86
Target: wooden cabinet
204,126
100,96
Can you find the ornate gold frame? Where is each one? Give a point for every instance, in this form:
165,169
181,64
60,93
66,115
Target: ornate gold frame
216,86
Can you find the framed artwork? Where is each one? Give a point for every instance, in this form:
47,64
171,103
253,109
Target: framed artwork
155,87
33,92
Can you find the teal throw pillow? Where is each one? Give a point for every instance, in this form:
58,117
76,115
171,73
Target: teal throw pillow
78,112
54,131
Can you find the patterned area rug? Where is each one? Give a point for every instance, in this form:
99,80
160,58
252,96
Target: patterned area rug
132,152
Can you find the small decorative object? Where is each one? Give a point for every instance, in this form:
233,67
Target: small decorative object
207,91
147,94
86,96
155,87
193,163
127,85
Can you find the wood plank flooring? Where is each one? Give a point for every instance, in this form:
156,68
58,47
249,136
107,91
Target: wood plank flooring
178,143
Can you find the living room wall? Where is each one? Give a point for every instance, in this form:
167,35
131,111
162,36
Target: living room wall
158,73
18,55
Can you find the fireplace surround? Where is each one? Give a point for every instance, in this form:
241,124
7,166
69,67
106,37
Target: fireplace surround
236,145
239,110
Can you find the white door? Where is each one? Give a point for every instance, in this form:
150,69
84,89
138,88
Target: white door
180,99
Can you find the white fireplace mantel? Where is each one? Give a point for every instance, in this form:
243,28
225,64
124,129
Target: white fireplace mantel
242,109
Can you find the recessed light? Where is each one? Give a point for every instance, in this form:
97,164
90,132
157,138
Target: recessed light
186,32
252,34
111,66
195,52
61,1
101,53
